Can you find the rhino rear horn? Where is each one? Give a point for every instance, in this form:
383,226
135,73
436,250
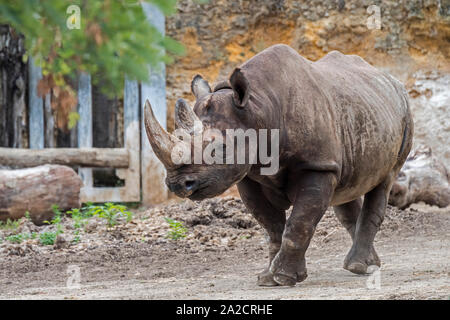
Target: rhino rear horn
161,141
186,119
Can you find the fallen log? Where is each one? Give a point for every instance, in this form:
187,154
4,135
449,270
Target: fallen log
423,177
36,189
84,157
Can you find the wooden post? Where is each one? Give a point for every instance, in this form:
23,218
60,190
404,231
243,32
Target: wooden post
13,86
36,108
132,189
85,157
85,128
153,172
49,137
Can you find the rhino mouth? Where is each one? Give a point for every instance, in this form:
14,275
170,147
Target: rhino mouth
199,194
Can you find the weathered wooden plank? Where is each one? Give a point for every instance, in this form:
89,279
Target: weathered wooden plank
153,173
132,189
85,111
36,108
49,136
84,129
87,157
13,87
19,112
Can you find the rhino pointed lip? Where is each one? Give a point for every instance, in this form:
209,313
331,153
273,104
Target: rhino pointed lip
192,195
184,194
195,195
187,194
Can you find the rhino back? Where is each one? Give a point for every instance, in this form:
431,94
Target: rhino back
338,112
372,112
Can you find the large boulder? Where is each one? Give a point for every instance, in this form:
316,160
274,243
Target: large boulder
36,190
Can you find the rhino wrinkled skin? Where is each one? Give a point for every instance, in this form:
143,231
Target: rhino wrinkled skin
345,132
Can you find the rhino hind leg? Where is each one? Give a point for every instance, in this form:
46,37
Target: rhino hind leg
362,254
347,215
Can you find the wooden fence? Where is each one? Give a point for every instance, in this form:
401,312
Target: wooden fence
135,162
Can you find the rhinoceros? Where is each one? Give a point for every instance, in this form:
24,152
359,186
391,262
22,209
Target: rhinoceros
423,177
345,130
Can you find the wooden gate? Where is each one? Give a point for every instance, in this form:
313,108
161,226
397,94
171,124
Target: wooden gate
135,163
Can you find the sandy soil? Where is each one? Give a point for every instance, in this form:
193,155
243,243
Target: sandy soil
222,254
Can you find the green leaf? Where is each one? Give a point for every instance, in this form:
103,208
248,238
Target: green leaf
73,119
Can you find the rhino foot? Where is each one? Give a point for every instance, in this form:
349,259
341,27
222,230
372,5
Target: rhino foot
360,265
265,279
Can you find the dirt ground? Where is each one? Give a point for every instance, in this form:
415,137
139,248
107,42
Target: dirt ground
220,257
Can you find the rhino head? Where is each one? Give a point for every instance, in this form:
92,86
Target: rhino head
213,113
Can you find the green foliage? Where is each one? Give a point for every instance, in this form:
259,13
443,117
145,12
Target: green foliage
177,230
47,238
27,215
111,212
76,239
79,219
56,215
18,238
9,224
114,40
73,118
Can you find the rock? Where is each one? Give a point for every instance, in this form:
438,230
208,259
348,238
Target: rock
36,190
60,242
19,249
91,226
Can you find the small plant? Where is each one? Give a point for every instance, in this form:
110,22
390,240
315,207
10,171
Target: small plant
88,210
112,212
78,218
177,230
15,238
18,238
9,224
47,238
56,215
77,238
27,215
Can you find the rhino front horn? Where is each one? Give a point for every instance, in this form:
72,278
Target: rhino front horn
161,141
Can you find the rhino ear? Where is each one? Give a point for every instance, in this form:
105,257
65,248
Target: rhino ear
200,87
241,88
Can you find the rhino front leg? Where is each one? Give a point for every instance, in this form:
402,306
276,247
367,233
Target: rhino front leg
311,194
272,219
